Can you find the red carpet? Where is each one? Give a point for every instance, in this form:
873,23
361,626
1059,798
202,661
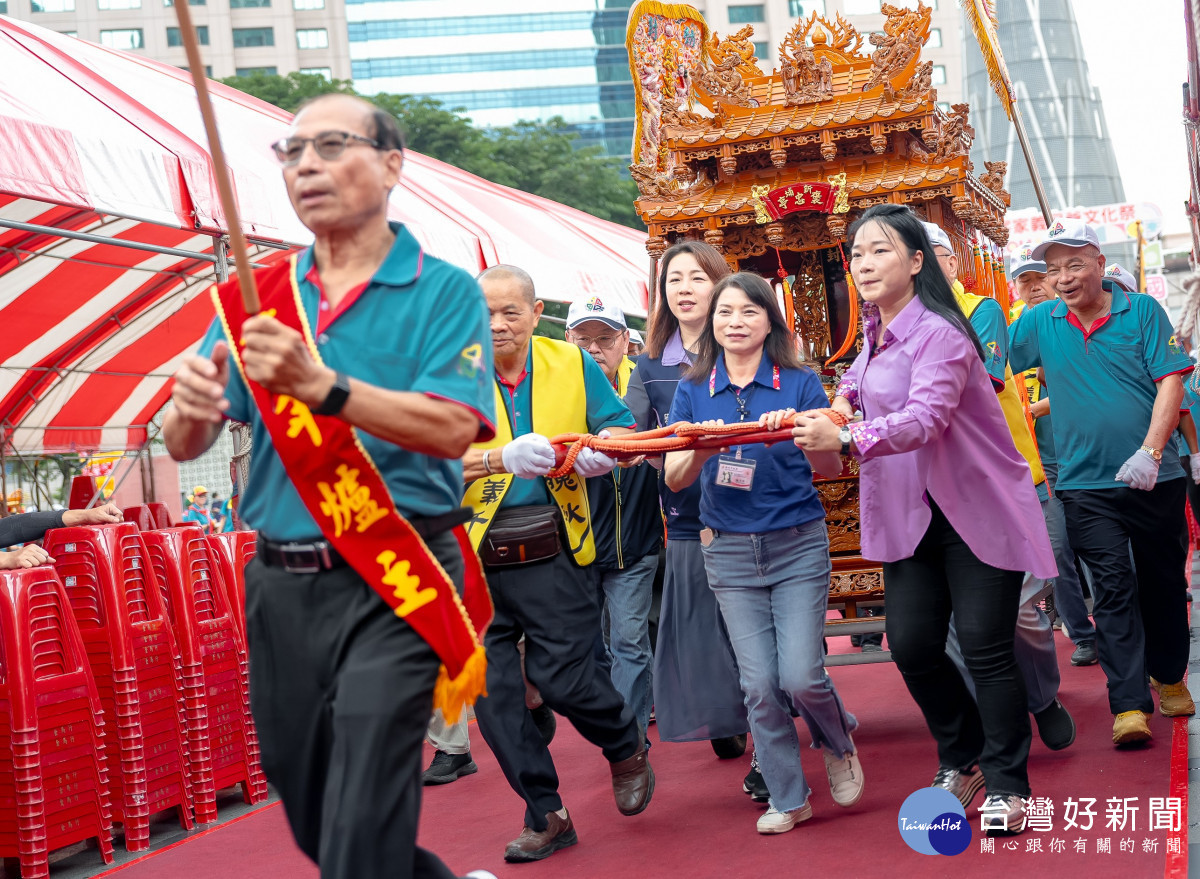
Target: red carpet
700,824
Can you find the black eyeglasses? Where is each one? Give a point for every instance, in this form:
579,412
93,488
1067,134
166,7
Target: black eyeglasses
328,144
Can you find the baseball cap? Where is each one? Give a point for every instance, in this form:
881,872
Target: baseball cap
1124,280
1072,233
595,308
1023,261
199,489
937,236
636,337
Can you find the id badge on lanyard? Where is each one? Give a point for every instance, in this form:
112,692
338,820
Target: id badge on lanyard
735,471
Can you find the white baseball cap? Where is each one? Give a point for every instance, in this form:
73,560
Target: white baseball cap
1072,233
937,236
595,308
1023,261
1123,279
636,337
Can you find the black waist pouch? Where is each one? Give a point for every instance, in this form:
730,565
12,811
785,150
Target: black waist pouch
521,535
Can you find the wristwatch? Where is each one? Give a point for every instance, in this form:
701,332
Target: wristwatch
844,436
336,398
1154,453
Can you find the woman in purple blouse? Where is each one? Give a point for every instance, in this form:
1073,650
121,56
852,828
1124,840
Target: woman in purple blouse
943,495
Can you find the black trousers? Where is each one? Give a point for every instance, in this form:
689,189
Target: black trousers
1140,606
1193,490
341,690
553,604
944,577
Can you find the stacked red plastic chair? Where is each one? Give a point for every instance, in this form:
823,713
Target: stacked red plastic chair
52,772
222,744
232,550
140,516
106,572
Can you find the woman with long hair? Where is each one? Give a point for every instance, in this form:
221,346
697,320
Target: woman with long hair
696,692
934,450
765,545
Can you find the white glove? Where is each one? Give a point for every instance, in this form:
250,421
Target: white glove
1140,471
590,463
1194,461
528,456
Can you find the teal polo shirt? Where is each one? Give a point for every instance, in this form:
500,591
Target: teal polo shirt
1102,382
605,408
420,325
992,329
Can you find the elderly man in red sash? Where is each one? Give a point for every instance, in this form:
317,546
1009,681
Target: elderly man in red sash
365,378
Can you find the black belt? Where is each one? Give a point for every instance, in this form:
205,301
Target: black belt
312,556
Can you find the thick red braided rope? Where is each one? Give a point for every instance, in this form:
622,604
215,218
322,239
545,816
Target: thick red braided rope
678,437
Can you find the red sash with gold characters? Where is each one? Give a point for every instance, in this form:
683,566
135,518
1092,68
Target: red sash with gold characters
350,502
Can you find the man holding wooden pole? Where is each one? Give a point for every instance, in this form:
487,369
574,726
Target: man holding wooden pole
364,378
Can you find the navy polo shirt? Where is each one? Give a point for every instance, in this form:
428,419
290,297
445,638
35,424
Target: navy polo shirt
782,495
1102,382
419,325
605,408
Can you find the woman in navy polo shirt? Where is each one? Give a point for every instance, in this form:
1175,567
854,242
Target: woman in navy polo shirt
766,550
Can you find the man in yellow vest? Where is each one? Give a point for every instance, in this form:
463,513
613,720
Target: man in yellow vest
534,535
1034,640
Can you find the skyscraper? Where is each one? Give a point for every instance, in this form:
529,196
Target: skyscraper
1063,113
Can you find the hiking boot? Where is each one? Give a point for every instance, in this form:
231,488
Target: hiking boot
963,783
774,821
445,768
1174,700
755,785
1002,815
846,781
1130,728
1056,727
1085,654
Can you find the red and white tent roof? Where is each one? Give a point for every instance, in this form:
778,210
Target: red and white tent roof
108,144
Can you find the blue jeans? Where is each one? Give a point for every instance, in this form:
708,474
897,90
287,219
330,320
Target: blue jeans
772,589
625,596
1068,593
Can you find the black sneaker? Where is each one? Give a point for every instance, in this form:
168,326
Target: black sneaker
545,721
1085,654
1056,727
754,785
445,768
729,747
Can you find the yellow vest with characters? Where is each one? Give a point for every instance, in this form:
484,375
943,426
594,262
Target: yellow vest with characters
1010,399
559,400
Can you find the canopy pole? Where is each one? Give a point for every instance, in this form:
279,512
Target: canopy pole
220,169
221,252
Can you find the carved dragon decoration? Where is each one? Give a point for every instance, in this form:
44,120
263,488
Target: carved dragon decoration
730,62
904,33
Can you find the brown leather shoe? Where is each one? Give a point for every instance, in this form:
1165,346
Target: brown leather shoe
633,782
533,845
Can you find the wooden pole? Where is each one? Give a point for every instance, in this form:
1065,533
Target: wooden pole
220,170
1043,202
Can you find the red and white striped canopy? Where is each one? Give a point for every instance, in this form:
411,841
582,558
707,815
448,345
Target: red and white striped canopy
104,143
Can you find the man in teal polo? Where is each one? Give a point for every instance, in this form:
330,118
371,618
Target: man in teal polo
341,687
1116,373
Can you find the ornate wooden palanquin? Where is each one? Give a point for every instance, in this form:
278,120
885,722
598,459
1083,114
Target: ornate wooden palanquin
771,168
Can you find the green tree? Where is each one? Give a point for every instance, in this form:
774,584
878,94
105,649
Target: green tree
542,158
288,92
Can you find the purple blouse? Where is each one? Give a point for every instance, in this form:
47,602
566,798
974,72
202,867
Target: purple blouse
932,424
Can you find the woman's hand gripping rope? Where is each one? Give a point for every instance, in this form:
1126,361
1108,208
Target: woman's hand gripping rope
773,427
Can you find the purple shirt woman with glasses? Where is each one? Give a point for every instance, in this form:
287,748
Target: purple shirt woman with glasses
943,490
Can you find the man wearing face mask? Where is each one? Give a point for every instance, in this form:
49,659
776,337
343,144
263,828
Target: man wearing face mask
1116,372
626,519
536,539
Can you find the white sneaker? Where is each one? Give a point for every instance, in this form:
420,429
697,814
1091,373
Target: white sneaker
846,780
774,821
